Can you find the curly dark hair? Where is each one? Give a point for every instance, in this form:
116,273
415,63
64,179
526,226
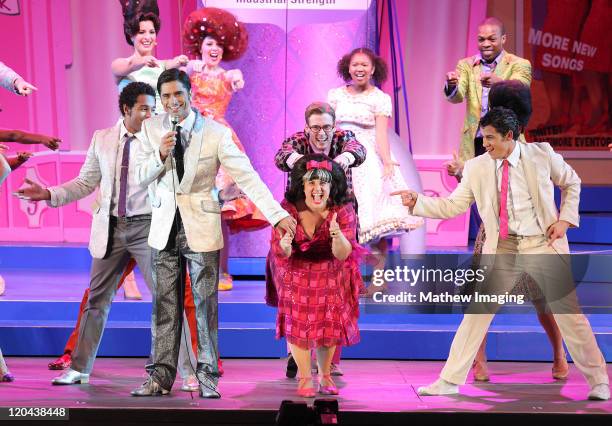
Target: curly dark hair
338,188
380,66
503,120
514,95
132,26
129,94
218,24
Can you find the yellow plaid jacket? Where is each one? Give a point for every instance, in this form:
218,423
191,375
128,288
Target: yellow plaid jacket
469,88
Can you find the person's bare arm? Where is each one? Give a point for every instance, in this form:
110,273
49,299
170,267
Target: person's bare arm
26,138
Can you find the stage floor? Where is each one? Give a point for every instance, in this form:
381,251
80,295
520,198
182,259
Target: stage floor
260,384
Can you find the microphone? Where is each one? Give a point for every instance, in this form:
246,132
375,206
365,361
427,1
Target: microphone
174,119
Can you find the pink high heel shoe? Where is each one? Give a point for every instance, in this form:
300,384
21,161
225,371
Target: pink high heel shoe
130,288
330,389
303,391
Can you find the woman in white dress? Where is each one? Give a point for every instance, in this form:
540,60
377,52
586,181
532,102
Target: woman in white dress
141,32
140,28
365,109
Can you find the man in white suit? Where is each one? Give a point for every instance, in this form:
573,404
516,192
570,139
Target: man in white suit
527,227
180,162
120,224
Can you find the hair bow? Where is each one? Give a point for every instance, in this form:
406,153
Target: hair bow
314,164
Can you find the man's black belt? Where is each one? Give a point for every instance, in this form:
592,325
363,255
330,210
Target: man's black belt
135,218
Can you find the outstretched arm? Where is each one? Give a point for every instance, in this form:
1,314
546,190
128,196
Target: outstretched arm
437,207
235,79
12,81
19,159
239,167
84,184
177,61
26,138
124,66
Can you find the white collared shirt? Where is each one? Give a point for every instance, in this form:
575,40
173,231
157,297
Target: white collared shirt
522,217
186,127
137,201
487,68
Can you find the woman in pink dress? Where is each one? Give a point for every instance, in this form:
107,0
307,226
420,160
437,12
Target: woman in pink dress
313,276
212,35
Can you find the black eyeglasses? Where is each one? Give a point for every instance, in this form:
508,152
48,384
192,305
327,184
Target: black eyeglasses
327,128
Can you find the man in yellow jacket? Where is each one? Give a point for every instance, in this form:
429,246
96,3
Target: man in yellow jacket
474,76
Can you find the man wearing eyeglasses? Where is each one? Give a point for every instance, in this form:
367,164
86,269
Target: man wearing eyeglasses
320,136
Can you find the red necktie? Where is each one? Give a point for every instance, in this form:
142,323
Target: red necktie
503,203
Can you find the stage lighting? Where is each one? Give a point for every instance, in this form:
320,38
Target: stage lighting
323,412
293,413
326,411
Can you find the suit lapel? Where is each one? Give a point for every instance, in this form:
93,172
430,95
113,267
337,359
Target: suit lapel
501,67
529,168
192,153
491,176
477,69
114,143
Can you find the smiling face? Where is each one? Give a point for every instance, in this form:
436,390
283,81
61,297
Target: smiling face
212,51
498,146
142,109
175,99
320,131
145,39
316,193
361,69
490,41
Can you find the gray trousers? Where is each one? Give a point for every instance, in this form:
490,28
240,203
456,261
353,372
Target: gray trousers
168,307
127,239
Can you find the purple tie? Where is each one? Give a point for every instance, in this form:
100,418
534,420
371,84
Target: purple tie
125,162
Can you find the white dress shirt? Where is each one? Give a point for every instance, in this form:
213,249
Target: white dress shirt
137,201
522,218
186,127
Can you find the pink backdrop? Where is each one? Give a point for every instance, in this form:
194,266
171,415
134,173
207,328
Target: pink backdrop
65,47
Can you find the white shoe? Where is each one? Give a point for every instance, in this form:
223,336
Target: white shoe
335,370
71,377
190,384
600,392
439,387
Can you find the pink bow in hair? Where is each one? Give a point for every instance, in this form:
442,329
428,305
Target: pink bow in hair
314,164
